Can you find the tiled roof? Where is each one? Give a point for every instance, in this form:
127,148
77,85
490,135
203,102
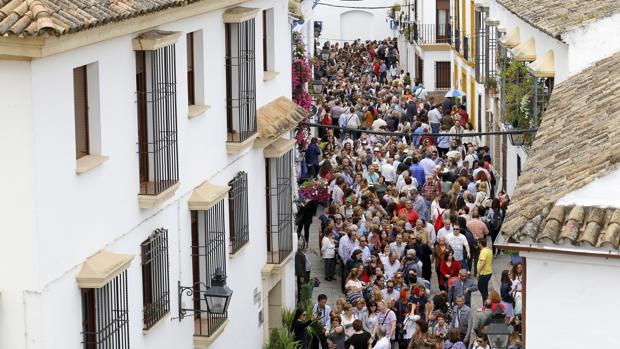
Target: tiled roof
278,116
57,17
578,141
556,17
576,225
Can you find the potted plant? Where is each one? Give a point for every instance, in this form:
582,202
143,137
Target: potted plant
393,10
491,84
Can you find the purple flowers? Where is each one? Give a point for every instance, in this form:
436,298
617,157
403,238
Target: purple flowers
313,190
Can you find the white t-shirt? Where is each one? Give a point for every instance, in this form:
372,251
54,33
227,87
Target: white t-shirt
458,244
383,343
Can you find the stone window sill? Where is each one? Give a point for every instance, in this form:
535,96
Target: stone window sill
152,201
203,342
238,147
88,162
195,110
270,75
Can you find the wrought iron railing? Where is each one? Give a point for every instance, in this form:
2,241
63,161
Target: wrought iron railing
238,211
279,207
240,81
433,34
155,277
157,120
208,255
105,318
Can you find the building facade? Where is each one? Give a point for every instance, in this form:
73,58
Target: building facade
148,150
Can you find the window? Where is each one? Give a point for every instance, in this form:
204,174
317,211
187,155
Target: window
419,69
105,320
481,45
157,119
240,81
86,110
279,207
479,123
238,211
191,88
268,44
155,277
208,255
518,166
442,75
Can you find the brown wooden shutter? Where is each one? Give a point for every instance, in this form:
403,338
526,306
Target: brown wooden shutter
80,100
191,96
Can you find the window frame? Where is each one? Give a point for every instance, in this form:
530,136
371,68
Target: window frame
155,278
191,78
238,213
80,111
279,207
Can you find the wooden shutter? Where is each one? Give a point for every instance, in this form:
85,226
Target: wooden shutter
80,103
191,97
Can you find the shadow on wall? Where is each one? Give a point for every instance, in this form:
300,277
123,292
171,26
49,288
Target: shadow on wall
356,24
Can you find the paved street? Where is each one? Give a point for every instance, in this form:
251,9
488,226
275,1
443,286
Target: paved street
332,288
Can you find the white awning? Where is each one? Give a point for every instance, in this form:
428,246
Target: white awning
278,148
154,39
543,67
511,39
526,52
104,266
206,195
240,14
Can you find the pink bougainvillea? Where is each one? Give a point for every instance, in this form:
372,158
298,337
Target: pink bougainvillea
313,190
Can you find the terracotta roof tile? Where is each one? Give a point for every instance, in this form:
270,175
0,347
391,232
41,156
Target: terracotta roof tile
556,17
57,17
278,116
577,142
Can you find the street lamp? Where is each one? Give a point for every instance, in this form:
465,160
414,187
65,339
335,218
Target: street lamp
325,54
218,295
518,139
317,87
498,332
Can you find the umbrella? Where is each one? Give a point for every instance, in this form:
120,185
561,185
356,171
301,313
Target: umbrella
455,93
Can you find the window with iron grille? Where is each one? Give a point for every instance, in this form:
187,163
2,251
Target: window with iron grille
481,45
541,92
238,211
279,207
419,69
105,319
157,119
491,52
442,75
155,277
208,255
240,80
466,47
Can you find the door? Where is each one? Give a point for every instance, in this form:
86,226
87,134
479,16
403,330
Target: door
442,16
442,75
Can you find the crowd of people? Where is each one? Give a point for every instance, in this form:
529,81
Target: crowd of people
413,214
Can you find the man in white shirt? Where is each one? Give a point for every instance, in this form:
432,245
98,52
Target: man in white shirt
383,342
428,165
434,118
459,244
446,229
392,266
337,192
388,171
390,292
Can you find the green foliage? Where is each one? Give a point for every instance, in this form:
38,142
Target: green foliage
281,338
393,10
517,94
490,82
288,316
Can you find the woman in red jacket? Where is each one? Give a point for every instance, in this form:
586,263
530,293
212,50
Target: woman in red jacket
449,268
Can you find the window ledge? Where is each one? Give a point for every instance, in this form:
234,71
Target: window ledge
270,75
157,324
151,201
88,162
271,269
238,147
195,110
241,249
203,342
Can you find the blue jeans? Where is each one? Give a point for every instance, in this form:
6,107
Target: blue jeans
435,129
463,264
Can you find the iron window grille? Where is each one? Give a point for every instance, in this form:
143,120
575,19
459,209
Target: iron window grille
491,51
279,207
238,211
419,68
481,45
541,92
208,255
466,47
457,40
503,65
155,277
240,81
442,75
157,119
105,319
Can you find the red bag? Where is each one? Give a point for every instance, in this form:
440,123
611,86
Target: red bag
327,120
439,220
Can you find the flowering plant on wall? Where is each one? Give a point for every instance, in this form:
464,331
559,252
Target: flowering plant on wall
313,190
300,76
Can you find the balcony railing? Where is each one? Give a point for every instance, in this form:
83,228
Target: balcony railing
433,33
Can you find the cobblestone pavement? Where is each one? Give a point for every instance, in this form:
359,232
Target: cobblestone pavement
332,288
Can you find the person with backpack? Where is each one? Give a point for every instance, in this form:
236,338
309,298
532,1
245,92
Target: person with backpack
495,219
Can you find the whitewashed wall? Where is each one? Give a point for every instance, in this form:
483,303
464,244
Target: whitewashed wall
371,24
570,301
76,216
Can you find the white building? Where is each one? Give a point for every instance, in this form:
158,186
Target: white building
136,157
351,20
565,214
555,40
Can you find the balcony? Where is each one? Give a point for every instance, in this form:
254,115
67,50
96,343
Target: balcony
430,34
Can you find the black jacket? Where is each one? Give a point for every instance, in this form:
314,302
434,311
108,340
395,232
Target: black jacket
300,264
